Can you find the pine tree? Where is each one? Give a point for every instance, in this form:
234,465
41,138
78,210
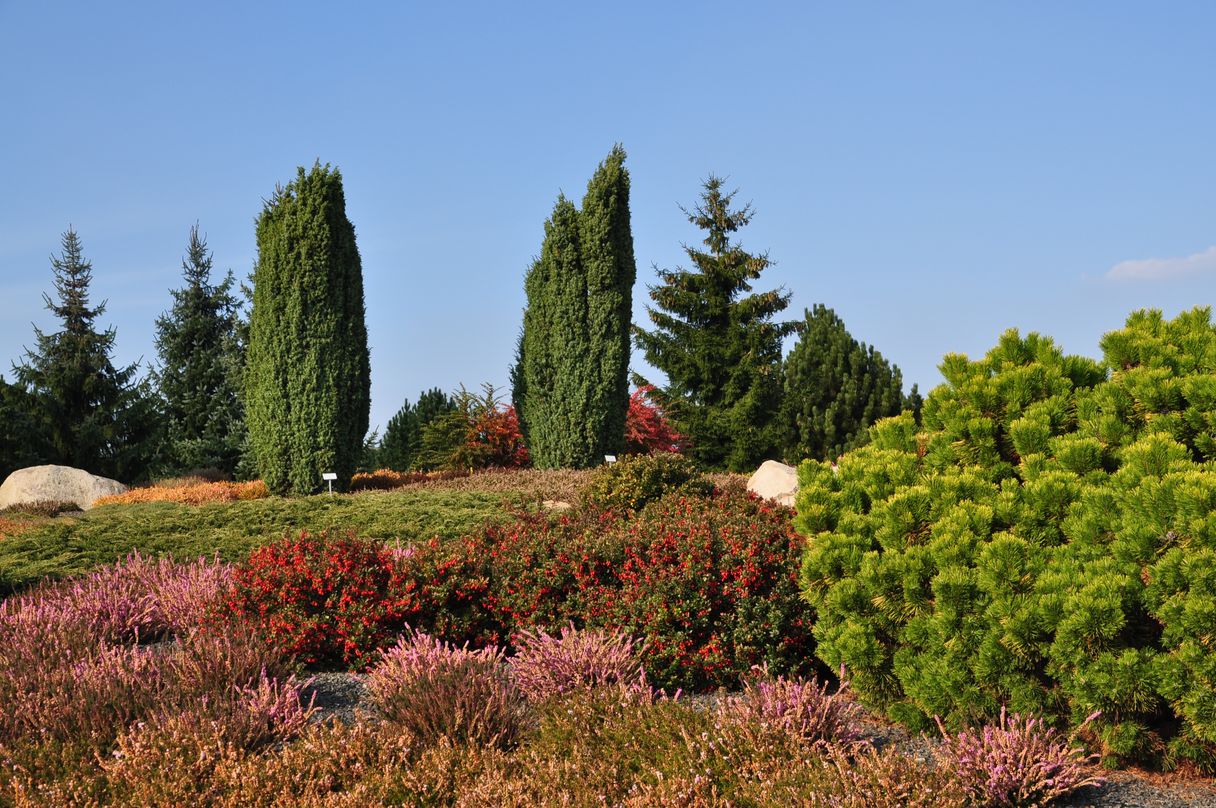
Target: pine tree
307,373
94,416
399,450
198,377
570,379
835,388
718,345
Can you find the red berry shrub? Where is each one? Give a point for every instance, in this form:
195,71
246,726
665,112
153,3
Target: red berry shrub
443,588
711,585
322,599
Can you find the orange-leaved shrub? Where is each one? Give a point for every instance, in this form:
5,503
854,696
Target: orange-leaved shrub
194,493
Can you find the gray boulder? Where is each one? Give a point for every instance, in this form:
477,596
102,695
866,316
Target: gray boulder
775,481
56,484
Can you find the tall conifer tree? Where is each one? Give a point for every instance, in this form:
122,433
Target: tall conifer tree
570,380
198,376
606,239
307,373
835,388
94,416
718,345
21,440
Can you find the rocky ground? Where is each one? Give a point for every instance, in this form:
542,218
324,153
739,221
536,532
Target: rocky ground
342,694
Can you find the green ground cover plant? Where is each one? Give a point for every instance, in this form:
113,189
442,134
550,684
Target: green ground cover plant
72,545
1046,542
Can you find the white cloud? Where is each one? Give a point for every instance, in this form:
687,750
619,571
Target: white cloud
1155,269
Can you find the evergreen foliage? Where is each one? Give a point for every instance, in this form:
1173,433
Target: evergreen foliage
570,381
21,443
718,345
198,376
402,441
307,383
1046,542
92,415
835,389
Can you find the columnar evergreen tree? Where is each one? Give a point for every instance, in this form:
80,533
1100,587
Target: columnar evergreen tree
93,415
606,240
835,388
570,381
718,345
307,373
198,376
556,347
403,436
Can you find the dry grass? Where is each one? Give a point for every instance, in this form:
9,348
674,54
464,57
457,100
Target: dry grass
530,484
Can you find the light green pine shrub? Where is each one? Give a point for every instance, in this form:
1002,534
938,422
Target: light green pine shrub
1045,541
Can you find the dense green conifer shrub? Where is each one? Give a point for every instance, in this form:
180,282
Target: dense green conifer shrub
307,374
634,480
1046,541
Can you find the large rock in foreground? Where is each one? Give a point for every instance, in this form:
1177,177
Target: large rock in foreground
775,481
56,484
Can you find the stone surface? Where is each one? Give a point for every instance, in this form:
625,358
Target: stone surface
556,505
56,484
775,481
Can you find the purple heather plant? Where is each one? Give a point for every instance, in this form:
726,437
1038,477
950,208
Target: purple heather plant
799,708
1018,762
435,690
546,665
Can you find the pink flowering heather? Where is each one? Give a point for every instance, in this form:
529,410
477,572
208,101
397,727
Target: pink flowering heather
1018,762
139,599
435,689
800,708
547,666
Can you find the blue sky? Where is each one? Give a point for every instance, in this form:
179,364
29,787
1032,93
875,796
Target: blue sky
935,172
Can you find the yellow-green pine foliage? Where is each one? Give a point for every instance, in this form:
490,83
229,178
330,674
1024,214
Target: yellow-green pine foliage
1046,541
307,378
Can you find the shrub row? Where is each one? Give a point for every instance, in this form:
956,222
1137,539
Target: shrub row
708,584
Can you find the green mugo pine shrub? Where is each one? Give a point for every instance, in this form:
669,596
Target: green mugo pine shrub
1046,540
307,372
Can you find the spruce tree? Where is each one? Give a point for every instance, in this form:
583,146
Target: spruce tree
198,376
570,379
307,373
717,344
399,450
835,388
21,442
94,416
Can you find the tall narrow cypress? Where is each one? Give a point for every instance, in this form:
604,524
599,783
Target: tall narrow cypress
555,347
570,382
606,238
307,375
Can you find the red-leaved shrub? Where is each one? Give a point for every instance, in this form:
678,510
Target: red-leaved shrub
325,600
436,689
711,585
647,429
1018,762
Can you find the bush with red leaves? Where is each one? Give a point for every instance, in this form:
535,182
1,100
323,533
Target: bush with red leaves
324,600
646,427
